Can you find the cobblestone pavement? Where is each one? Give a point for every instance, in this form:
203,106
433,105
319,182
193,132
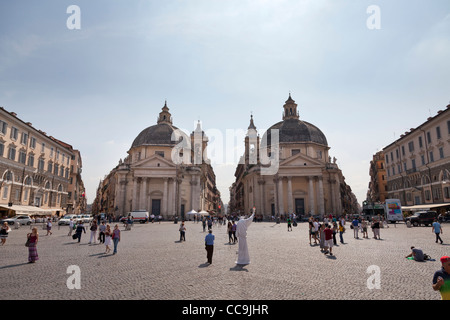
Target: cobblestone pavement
152,264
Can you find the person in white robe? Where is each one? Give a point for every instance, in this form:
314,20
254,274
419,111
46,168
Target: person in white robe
241,233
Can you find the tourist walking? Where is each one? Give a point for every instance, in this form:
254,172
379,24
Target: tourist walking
210,223
335,230
376,229
49,227
355,225
341,231
182,232
102,230
204,223
93,231
70,227
289,223
230,231
33,239
116,237
328,241
364,228
437,229
79,230
322,237
311,229
233,231
209,246
441,279
4,232
108,235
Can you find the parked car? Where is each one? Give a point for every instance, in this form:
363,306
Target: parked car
66,219
20,219
422,218
86,218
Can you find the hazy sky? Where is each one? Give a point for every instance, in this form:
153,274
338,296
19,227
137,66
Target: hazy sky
218,61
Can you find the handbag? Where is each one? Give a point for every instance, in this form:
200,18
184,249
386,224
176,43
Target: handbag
27,244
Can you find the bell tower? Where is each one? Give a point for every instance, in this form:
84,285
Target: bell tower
290,109
164,115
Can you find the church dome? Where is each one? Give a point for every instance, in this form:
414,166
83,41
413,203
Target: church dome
160,133
294,130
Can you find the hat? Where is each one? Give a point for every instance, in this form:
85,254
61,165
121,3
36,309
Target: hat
445,259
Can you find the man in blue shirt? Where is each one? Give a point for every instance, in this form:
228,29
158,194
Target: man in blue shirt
437,229
209,246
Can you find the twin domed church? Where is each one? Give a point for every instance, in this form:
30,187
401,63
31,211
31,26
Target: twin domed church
287,170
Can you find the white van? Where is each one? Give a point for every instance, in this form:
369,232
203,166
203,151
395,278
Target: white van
139,216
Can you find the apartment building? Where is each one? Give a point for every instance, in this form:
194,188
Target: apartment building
34,169
418,165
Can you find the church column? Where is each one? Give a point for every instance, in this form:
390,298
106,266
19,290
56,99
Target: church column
280,195
193,183
148,201
143,196
174,197
275,195
311,196
290,200
135,185
165,198
321,200
261,197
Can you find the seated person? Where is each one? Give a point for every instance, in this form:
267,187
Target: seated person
417,254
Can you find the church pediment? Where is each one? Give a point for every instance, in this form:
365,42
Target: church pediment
300,160
155,161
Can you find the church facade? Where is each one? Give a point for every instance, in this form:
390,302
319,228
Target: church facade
165,173
289,170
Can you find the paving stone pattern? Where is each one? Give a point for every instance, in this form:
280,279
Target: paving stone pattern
151,264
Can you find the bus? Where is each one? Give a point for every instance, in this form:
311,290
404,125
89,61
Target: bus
373,210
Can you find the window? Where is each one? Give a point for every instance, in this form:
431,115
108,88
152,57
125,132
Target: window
403,150
438,132
413,163
51,152
420,142
387,159
441,153
5,192
429,137
42,147
33,142
41,164
2,148
14,133
31,160
397,153
447,192
393,171
448,126
55,169
12,153
404,166
22,157
431,156
422,157
50,167
392,156
411,146
295,151
4,126
24,139
427,195
160,153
